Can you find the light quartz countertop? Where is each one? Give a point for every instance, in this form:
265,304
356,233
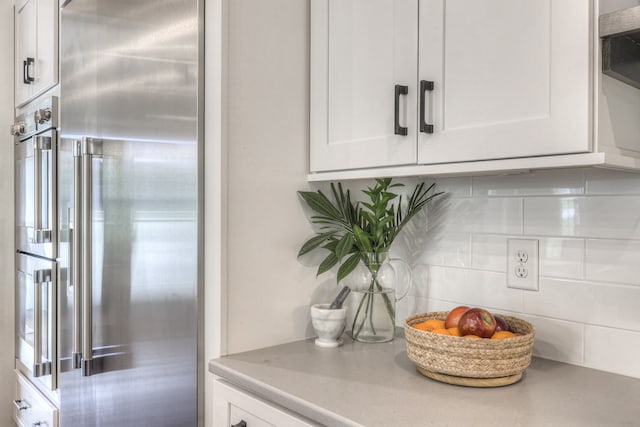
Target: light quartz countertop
377,385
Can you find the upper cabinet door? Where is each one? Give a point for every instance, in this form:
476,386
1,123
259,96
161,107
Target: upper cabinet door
36,41
363,83
25,42
47,45
511,78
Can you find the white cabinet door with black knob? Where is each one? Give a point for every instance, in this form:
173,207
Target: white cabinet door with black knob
511,79
363,73
36,48
234,407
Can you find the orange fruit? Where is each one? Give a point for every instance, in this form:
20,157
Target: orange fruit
502,335
441,331
454,331
430,325
421,326
471,336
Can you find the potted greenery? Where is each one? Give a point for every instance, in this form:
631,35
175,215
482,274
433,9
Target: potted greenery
362,233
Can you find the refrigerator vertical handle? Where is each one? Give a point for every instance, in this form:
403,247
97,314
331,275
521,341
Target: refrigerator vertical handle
40,144
76,255
40,278
37,325
90,147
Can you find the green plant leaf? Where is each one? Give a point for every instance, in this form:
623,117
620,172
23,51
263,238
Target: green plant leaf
319,203
344,245
316,219
369,218
315,242
348,266
362,239
331,245
327,263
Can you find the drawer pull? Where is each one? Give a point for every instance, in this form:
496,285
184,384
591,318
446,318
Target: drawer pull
425,86
39,424
21,405
399,91
242,423
27,78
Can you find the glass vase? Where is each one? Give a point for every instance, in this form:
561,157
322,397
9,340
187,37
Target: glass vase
373,300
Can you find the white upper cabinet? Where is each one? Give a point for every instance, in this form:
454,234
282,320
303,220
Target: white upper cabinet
511,78
484,85
364,69
36,45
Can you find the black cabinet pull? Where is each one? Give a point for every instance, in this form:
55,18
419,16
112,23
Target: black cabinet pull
26,67
400,90
425,86
242,423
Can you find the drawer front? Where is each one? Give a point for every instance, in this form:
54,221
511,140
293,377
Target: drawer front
31,408
234,407
237,415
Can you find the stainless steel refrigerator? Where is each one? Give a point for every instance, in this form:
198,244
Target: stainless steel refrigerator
125,169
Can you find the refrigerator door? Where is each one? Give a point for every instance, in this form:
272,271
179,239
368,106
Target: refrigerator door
36,320
129,93
36,188
68,232
131,69
139,322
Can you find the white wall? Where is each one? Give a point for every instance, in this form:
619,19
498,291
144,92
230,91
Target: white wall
268,125
256,155
588,224
6,217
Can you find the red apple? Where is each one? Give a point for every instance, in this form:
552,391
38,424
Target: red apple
454,316
477,321
501,324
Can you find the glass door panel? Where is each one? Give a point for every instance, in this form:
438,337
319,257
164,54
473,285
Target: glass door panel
36,351
36,213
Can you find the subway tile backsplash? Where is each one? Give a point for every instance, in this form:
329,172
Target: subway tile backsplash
613,217
587,311
616,261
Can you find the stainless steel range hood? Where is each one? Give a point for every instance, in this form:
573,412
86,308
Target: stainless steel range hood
620,33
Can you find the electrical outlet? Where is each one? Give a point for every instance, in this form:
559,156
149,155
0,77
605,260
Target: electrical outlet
521,271
522,264
522,255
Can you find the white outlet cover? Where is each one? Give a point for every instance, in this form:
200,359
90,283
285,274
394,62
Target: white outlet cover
517,264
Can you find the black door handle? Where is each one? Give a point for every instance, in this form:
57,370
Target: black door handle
26,67
242,423
425,86
400,90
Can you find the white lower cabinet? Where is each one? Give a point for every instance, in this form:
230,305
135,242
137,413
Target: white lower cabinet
233,407
31,408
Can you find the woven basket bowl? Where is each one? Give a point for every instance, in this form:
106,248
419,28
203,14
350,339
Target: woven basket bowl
470,358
